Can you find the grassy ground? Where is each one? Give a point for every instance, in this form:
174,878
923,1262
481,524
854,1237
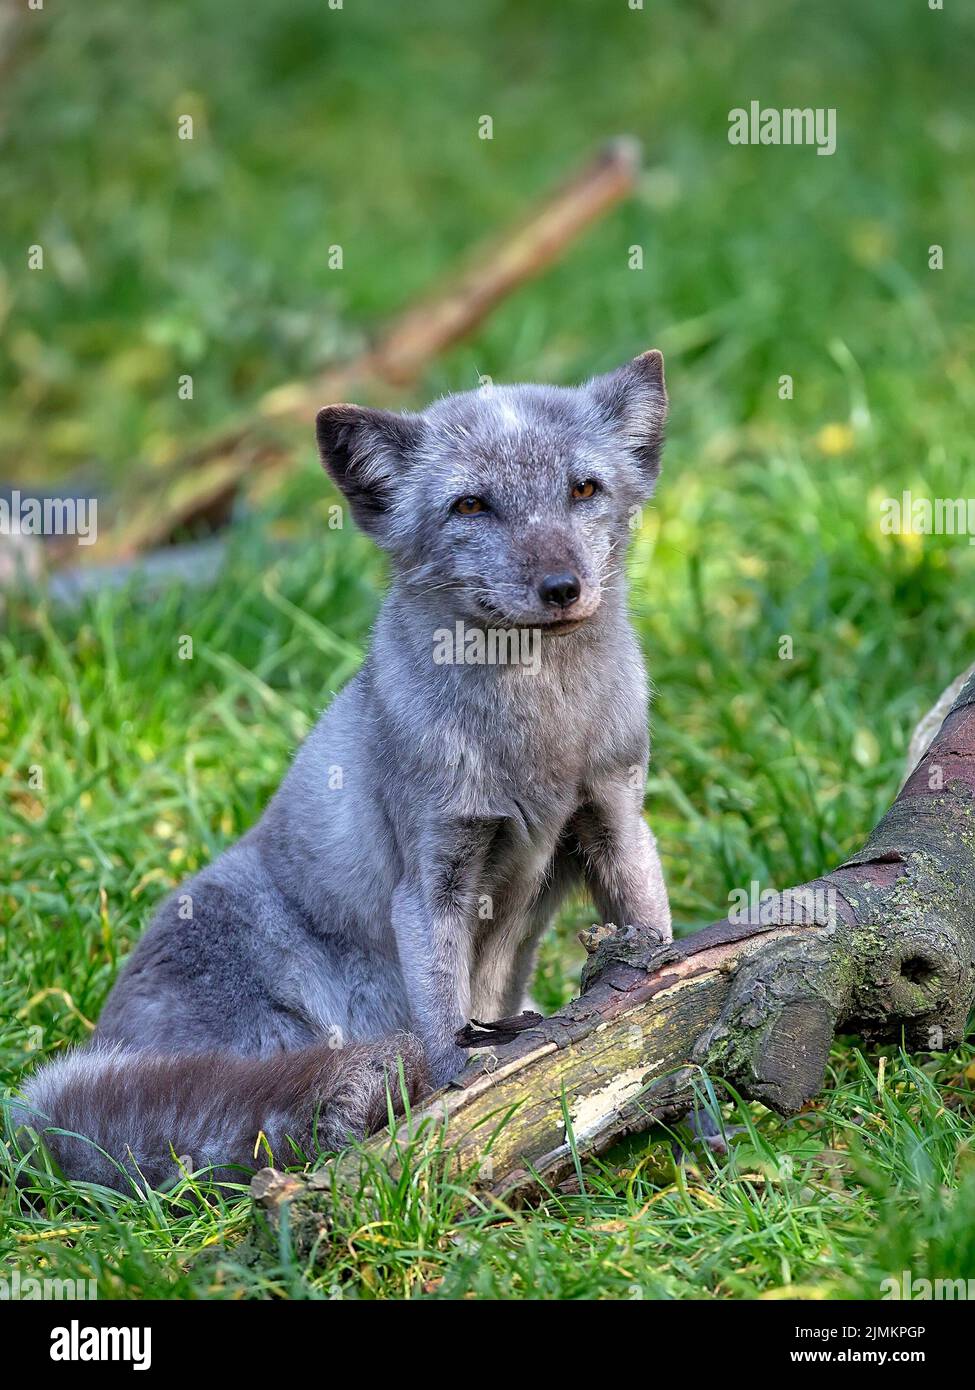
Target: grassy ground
124,767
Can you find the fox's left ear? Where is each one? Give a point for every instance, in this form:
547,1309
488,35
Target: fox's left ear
634,399
367,452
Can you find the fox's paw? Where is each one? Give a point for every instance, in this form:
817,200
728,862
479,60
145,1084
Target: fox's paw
445,1063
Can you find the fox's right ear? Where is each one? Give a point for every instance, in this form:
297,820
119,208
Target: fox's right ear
366,453
634,398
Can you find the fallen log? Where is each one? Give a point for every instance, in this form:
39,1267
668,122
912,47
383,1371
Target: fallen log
205,480
884,945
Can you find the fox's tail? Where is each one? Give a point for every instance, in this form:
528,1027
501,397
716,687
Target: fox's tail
117,1117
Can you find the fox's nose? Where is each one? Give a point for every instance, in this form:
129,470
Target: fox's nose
560,590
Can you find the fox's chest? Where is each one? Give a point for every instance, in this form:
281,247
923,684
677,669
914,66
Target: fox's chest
520,863
520,889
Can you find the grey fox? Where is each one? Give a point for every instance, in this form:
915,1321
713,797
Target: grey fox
402,875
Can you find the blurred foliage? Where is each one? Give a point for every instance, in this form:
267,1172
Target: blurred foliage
357,126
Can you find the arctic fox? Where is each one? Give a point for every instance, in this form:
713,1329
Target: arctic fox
401,877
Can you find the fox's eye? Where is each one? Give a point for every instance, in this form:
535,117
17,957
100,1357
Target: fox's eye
581,491
469,506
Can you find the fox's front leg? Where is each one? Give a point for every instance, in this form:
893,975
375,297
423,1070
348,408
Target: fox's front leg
622,868
620,859
434,912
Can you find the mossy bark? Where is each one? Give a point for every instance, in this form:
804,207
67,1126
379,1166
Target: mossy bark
883,945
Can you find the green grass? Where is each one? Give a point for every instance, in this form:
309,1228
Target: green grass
209,256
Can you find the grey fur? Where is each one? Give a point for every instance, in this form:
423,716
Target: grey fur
401,877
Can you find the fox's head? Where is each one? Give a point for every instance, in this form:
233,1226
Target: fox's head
514,503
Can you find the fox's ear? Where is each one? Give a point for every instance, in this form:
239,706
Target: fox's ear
366,452
634,399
